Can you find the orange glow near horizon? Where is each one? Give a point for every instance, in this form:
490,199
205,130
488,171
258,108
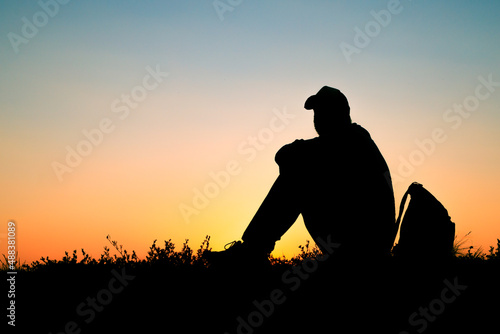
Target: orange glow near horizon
135,207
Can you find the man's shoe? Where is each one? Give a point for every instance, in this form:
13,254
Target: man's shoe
237,254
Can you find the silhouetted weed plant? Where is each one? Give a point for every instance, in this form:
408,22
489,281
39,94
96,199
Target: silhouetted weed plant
168,256
466,253
18,265
494,253
305,252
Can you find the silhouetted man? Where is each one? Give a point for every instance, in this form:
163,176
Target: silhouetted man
339,182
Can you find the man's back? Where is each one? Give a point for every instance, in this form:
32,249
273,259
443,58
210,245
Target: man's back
345,189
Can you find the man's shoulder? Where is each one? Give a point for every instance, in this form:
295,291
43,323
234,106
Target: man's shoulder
359,130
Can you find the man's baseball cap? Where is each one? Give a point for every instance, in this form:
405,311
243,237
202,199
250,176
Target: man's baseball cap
328,98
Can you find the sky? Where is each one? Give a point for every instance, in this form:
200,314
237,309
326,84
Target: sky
149,120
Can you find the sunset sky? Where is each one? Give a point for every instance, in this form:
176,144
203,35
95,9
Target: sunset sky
160,120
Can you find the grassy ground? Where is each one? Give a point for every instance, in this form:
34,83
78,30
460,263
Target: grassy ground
173,291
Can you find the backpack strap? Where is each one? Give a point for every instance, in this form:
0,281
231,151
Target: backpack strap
402,206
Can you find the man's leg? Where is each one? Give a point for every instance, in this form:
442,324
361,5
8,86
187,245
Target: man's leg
275,216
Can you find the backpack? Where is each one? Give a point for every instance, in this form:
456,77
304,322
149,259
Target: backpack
427,231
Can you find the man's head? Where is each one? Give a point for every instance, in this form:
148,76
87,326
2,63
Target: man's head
331,111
